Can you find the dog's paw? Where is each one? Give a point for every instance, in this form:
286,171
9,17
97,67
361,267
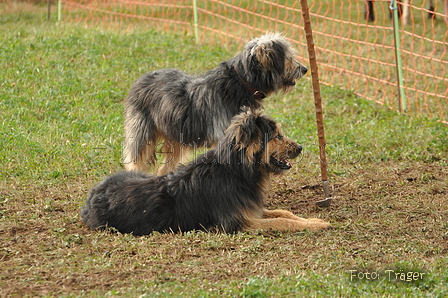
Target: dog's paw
315,224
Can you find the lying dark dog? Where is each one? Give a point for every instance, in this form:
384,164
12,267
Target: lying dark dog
221,190
168,108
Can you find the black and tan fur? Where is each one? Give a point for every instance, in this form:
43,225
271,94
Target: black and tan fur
222,190
171,111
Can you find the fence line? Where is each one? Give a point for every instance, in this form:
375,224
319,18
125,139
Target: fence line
354,40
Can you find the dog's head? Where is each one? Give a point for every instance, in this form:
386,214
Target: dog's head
269,64
257,139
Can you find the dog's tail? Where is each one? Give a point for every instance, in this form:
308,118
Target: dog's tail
139,141
94,207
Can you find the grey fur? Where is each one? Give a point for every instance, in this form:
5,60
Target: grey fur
183,111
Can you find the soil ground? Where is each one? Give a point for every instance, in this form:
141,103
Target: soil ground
381,214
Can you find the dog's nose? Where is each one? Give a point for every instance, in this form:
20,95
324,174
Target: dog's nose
299,149
304,70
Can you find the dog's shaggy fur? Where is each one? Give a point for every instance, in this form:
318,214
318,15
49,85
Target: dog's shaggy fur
172,111
222,190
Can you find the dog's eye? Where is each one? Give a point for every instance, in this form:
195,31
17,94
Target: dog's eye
279,137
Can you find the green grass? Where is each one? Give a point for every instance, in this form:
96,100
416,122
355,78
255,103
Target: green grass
351,51
61,117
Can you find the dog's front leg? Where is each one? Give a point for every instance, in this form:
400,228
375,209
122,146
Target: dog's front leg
279,213
286,214
288,225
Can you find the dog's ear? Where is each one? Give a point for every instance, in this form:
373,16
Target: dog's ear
270,55
247,134
246,131
264,55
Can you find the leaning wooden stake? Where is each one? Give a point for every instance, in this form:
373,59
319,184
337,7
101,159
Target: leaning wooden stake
318,104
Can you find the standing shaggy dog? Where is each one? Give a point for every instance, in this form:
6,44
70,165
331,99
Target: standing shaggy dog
184,112
222,190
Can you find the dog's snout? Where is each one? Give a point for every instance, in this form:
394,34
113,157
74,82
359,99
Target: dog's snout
298,149
294,150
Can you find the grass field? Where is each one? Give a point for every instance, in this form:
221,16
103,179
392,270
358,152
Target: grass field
61,113
351,51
